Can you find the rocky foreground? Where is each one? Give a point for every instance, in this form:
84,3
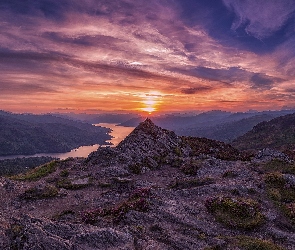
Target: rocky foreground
155,190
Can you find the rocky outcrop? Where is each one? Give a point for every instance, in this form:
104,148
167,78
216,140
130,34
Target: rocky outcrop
155,190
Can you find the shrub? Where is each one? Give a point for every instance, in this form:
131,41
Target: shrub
236,212
137,201
281,193
37,173
191,167
135,168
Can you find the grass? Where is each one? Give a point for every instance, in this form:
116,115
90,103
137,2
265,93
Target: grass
249,243
282,194
236,212
37,173
36,193
277,165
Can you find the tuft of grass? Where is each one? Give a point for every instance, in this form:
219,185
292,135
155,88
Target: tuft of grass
37,193
37,173
236,212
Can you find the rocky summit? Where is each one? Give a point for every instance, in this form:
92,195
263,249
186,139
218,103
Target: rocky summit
155,190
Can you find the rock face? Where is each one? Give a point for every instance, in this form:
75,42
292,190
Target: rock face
155,190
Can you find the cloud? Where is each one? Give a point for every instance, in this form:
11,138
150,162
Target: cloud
259,18
262,81
201,89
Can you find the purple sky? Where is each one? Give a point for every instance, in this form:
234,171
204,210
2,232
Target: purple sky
88,55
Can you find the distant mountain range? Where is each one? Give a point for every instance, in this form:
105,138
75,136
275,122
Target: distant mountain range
30,134
216,125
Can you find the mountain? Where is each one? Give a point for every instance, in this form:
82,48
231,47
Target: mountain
155,190
216,124
278,133
98,118
228,131
30,134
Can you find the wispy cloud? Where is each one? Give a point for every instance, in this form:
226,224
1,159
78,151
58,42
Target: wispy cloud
78,51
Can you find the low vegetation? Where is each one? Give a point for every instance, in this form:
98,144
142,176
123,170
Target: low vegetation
37,173
138,201
16,166
282,193
249,243
236,212
36,193
190,183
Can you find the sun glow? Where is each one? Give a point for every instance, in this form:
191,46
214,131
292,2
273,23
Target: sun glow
150,101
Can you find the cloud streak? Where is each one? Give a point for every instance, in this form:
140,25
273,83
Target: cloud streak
215,53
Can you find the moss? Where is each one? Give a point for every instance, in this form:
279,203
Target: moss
37,173
277,165
36,193
281,193
236,212
249,243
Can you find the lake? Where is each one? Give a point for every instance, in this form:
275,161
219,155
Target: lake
118,134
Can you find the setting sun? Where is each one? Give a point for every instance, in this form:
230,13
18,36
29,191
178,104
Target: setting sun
151,101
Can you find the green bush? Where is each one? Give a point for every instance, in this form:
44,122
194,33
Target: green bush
236,212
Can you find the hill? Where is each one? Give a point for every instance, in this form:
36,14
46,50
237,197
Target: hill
30,134
278,133
155,190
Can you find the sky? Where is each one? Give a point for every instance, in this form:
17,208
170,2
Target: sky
157,55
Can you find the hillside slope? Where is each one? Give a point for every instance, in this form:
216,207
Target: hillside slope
278,133
31,134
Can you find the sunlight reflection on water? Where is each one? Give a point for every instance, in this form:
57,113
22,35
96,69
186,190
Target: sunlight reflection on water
118,133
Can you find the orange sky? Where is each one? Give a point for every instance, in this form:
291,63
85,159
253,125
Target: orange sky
103,56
